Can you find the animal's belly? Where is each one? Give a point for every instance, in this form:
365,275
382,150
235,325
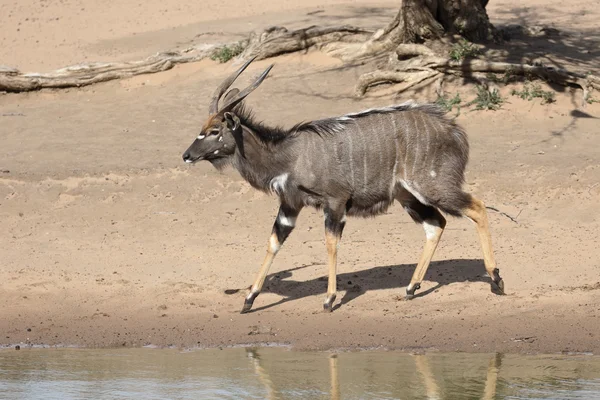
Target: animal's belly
369,204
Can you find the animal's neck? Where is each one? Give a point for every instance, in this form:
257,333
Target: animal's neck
261,162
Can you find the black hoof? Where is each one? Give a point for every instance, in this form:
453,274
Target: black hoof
410,293
328,305
248,302
497,283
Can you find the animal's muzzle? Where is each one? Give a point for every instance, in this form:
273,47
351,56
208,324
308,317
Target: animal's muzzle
188,158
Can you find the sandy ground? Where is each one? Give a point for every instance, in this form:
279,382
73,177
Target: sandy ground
108,239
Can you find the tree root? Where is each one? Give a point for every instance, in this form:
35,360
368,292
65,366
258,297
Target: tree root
423,65
410,79
278,40
12,80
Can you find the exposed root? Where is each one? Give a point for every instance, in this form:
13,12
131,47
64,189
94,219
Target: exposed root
409,78
356,51
12,80
278,40
423,60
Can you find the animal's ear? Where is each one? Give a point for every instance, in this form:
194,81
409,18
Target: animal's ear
233,122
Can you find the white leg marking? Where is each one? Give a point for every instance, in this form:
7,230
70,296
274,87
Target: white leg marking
286,221
430,229
274,245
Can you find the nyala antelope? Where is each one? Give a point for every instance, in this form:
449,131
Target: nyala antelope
352,165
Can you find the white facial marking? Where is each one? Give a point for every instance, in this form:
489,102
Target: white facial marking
200,137
189,161
274,244
414,192
430,229
286,221
432,173
220,138
216,152
278,183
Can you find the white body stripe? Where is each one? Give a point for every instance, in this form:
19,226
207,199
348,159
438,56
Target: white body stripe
414,192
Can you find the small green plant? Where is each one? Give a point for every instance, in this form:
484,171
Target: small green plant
226,53
591,100
462,50
486,99
449,103
510,75
534,91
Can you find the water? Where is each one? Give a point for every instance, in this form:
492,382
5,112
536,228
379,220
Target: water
275,373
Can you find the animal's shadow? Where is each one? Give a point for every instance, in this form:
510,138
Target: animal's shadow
357,283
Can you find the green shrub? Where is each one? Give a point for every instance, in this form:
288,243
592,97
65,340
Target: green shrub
226,53
449,103
462,50
486,99
534,91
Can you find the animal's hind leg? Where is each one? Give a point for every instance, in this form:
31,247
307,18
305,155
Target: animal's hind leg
433,223
476,212
335,220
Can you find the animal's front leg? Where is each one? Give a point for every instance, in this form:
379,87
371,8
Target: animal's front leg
335,220
283,226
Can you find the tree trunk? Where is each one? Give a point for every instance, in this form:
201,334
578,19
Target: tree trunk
419,20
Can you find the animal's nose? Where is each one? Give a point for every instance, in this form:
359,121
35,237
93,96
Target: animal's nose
186,156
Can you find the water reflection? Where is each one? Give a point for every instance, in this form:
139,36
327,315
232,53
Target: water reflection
421,364
271,373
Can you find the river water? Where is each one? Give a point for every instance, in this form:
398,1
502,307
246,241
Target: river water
278,373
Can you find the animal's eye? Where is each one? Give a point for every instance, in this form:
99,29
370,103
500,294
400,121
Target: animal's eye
214,131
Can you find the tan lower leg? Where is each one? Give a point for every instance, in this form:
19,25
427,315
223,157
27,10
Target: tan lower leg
434,233
264,269
477,213
331,241
274,246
